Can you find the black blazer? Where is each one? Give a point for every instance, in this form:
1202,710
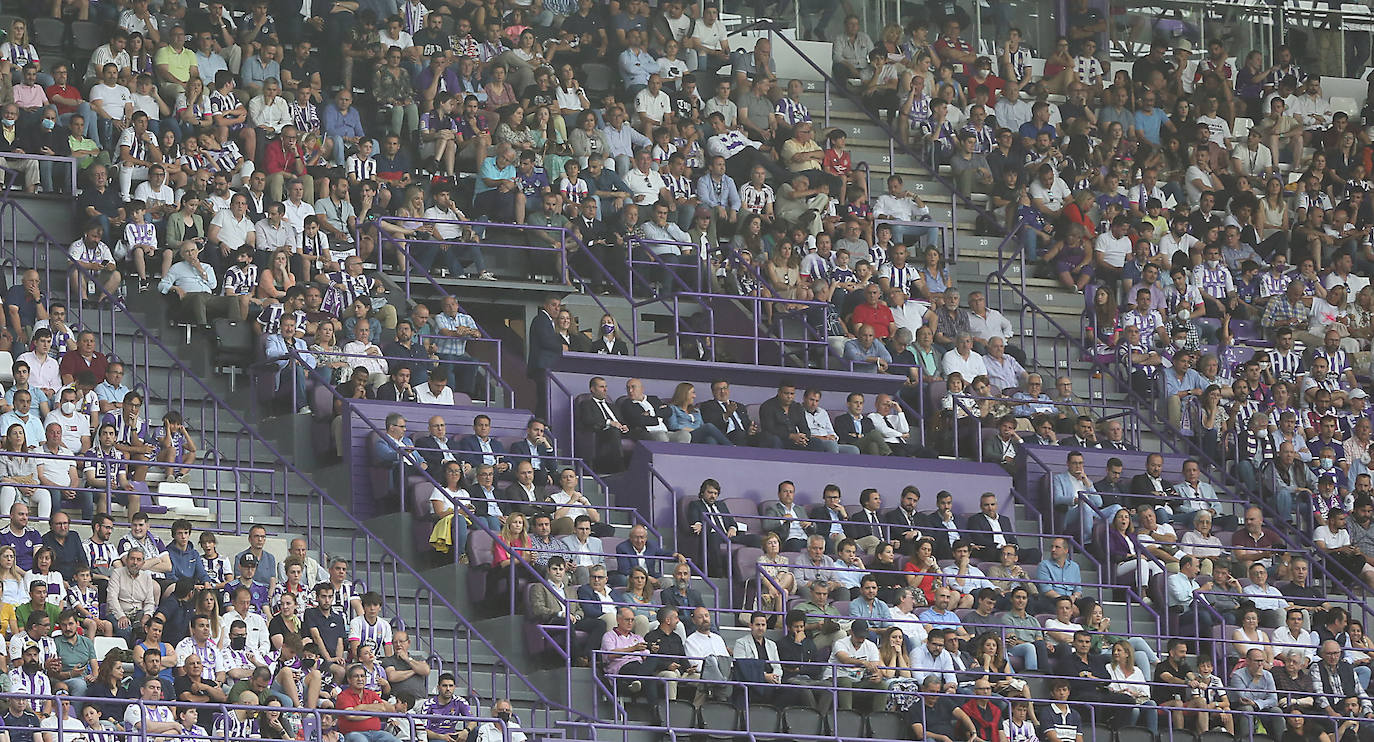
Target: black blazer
635,417
589,416
1140,485
521,450
977,531
696,510
844,428
618,348
389,393
545,345
774,421
820,518
528,506
713,413
858,526
578,342
435,459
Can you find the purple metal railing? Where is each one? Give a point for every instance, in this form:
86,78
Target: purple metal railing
385,559
492,380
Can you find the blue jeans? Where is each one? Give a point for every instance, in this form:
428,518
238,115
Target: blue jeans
373,736
463,375
710,434
292,377
452,257
1026,651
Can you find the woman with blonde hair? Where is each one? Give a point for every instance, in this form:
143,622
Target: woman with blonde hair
1129,686
895,669
776,581
684,417
12,593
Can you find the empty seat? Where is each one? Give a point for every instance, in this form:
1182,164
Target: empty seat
763,719
886,725
803,720
1138,734
849,724
719,716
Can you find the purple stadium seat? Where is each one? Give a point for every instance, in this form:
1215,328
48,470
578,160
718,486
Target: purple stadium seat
479,561
746,562
1244,330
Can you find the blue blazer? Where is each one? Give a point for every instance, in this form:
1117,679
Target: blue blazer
592,609
624,562
546,347
384,452
470,443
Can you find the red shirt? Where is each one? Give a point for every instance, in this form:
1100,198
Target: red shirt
73,363
880,317
66,91
350,698
945,43
986,721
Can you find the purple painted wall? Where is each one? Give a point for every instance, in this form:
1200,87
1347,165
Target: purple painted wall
748,384
754,473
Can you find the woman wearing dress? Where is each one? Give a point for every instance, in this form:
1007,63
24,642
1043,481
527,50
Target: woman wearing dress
783,272
274,282
925,569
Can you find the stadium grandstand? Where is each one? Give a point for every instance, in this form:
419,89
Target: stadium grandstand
536,370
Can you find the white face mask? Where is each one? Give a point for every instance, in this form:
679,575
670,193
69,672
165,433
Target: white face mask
1180,343
1328,462
68,408
1184,314
1214,264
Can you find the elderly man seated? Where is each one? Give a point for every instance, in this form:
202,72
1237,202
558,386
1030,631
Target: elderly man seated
193,284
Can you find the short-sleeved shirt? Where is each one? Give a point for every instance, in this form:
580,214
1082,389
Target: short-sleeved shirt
331,626
490,171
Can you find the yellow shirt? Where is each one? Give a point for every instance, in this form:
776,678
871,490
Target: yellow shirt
793,147
180,65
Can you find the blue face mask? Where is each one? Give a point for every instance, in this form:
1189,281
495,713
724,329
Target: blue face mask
8,122
49,124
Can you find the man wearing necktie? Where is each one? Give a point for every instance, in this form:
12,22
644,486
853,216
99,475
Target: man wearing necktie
731,417
600,430
856,429
710,529
867,528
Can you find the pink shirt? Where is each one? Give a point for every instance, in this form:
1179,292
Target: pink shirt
614,641
30,96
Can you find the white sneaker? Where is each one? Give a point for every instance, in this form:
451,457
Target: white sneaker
487,276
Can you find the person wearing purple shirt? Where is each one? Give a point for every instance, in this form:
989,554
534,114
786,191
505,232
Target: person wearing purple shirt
25,540
447,74
342,124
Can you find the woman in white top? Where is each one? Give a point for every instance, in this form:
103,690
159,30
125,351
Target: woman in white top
363,352
570,96
1248,635
571,504
1129,685
18,51
12,592
443,500
1200,542
19,474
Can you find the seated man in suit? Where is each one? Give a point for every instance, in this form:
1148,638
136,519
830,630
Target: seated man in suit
638,551
905,521
522,493
438,449
1151,486
1084,434
481,448
857,429
1070,491
398,387
828,519
866,526
786,518
987,531
537,448
395,451
596,420
641,413
731,417
1005,448
709,524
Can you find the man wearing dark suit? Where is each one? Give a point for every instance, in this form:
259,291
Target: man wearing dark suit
594,595
481,448
1005,448
782,424
1084,435
905,521
641,413
545,348
829,518
1115,437
538,449
987,531
522,492
866,525
444,449
398,389
853,427
943,526
1152,485
708,524
638,551
731,417
595,419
